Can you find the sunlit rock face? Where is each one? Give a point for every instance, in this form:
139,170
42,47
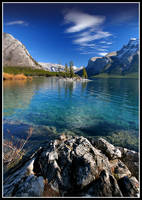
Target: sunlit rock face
16,54
118,62
52,67
72,166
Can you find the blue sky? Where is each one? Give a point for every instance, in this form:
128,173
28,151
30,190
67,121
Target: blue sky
61,32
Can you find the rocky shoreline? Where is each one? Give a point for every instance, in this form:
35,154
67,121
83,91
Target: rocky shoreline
75,79
75,166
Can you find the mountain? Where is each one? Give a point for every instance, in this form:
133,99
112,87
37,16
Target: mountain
119,62
76,69
57,67
16,54
52,67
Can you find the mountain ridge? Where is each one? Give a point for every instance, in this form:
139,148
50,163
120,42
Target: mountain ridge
16,54
57,67
119,62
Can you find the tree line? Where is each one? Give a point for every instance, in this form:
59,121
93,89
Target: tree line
29,71
69,71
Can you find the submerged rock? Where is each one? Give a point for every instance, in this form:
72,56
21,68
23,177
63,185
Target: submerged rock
71,166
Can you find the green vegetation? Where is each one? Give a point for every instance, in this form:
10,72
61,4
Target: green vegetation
71,70
28,71
105,75
66,70
84,75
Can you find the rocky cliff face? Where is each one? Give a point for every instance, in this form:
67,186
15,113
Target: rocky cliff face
120,62
15,53
75,166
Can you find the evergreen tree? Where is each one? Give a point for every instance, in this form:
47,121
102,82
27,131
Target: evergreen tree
71,63
84,74
66,70
71,69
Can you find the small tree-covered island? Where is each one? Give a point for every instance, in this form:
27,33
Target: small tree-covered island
70,100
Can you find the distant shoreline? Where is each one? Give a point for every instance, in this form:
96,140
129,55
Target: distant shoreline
104,75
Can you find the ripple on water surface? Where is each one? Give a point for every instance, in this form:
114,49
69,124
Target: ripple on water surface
94,108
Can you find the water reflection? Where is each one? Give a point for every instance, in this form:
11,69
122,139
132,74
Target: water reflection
67,88
74,105
17,95
91,108
124,90
83,86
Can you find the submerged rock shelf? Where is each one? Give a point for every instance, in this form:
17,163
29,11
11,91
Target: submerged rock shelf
75,166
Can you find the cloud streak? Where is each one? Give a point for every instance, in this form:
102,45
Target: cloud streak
85,29
18,22
81,21
104,42
89,37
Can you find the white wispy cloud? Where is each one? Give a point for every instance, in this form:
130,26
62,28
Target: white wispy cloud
88,52
104,42
102,53
18,22
88,45
90,37
102,49
81,20
85,29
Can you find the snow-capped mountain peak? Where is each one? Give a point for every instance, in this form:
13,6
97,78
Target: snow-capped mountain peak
130,49
120,62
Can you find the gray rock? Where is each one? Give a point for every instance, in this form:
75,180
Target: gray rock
32,186
70,166
104,186
108,149
123,61
15,53
119,169
52,67
23,182
131,159
129,186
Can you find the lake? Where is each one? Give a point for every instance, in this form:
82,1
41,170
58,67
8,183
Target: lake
101,107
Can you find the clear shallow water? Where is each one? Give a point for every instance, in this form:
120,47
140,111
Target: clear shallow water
96,108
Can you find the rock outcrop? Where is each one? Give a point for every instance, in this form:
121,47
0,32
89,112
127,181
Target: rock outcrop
16,54
73,166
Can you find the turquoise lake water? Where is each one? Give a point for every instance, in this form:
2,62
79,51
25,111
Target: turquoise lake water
100,107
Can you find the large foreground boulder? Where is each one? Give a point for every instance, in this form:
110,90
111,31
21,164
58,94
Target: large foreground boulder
72,166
